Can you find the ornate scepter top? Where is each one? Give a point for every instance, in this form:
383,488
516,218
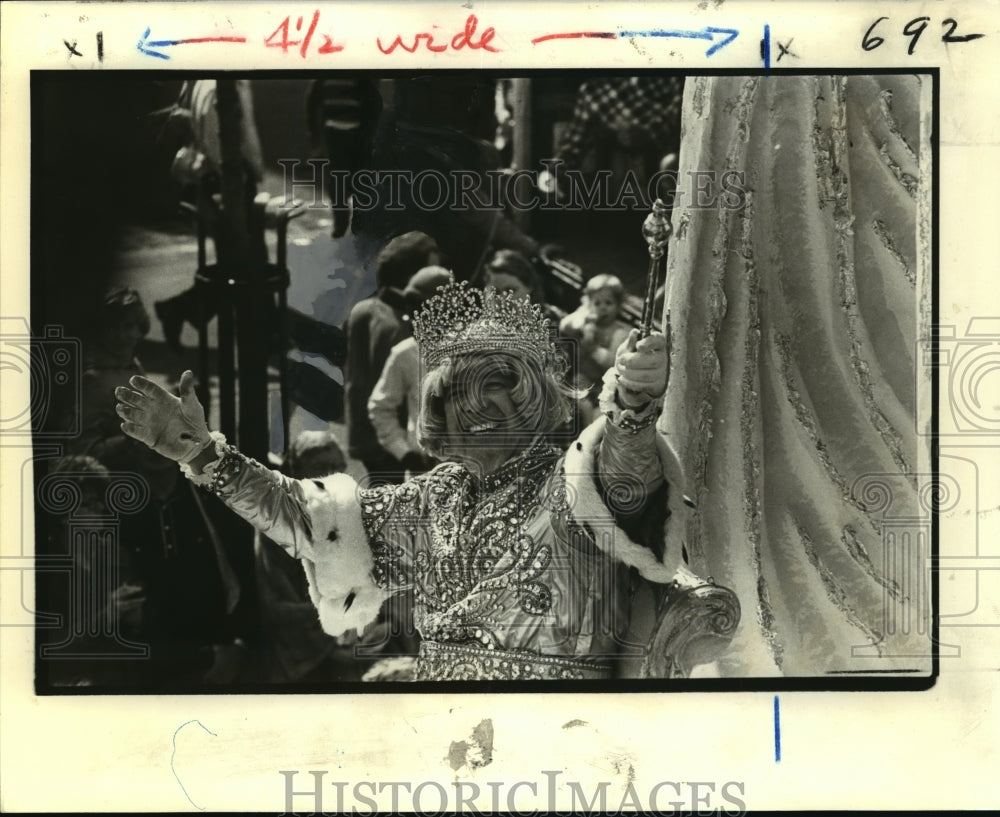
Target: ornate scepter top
656,230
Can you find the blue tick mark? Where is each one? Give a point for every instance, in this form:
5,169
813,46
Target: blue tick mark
765,46
777,730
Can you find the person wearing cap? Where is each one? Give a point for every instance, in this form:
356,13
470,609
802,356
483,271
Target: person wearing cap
398,389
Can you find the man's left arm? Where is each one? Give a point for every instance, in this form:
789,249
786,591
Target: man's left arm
630,470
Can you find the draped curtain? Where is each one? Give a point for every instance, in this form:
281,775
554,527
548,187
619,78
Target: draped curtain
796,400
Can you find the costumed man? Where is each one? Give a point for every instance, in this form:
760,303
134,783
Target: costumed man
638,118
520,557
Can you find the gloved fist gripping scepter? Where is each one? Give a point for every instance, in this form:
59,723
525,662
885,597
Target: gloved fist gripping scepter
643,361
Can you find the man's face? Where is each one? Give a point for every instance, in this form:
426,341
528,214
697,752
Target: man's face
133,327
478,406
483,424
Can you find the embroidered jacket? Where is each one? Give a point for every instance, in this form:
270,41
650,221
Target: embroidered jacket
521,574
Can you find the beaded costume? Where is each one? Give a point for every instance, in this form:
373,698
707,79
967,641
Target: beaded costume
523,574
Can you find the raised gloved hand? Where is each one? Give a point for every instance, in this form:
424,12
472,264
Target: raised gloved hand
172,426
643,368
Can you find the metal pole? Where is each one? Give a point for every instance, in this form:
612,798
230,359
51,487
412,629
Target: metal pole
522,153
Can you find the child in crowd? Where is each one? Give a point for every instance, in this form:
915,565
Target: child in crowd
598,330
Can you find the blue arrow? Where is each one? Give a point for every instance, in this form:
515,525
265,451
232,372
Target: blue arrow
707,33
141,45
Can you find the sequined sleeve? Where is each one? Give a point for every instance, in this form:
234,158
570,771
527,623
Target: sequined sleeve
316,520
392,516
273,503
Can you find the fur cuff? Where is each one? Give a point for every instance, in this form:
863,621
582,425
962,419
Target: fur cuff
204,479
581,480
340,573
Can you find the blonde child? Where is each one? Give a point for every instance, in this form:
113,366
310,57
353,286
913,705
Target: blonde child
599,332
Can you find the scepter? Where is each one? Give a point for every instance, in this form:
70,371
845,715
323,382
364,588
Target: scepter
656,230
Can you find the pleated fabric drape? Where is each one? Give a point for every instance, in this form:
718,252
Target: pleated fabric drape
796,401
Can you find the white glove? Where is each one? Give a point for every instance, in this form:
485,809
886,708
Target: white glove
173,427
643,368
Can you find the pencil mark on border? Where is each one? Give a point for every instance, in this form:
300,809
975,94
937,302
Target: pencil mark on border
173,754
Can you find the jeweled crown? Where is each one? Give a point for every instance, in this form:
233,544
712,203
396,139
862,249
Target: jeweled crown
462,319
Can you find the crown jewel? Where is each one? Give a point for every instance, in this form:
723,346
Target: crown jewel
462,319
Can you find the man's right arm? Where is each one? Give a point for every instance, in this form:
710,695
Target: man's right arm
316,520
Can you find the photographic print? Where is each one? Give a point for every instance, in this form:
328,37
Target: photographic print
432,289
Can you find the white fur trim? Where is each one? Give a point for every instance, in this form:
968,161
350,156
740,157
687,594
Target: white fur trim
205,477
581,470
341,569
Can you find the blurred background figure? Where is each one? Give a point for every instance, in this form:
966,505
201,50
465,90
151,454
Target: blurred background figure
375,325
633,121
120,323
186,593
197,168
443,123
395,402
341,114
598,329
511,271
